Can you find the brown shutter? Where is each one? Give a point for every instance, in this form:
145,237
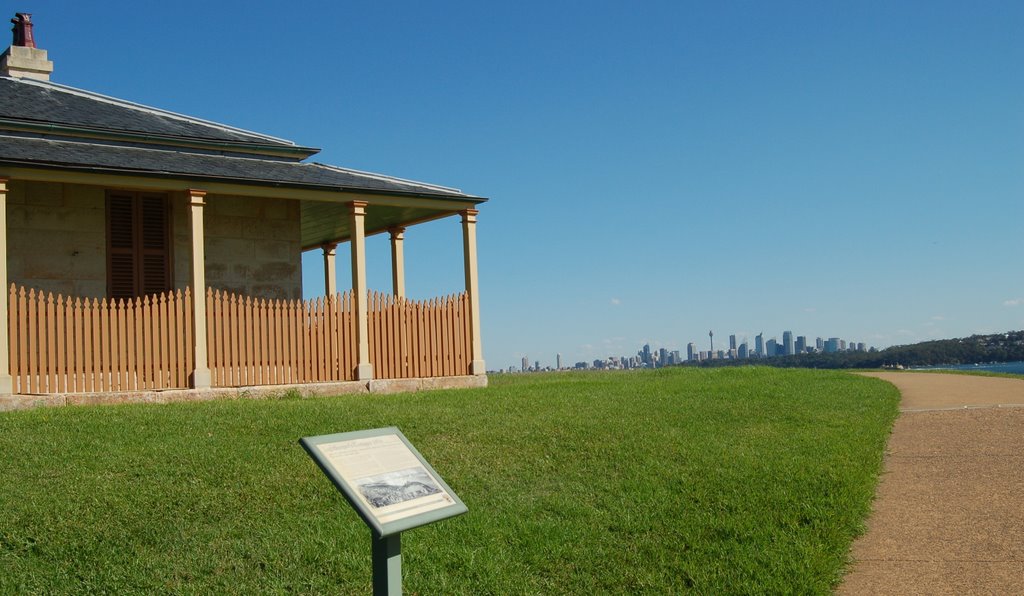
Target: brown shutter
138,244
121,246
154,268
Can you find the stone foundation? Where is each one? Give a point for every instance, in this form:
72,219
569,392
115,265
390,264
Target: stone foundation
377,386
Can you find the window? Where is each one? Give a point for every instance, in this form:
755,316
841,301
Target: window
138,244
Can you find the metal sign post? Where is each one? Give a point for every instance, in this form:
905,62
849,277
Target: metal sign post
390,486
387,565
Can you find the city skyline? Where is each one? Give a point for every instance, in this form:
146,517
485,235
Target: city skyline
648,357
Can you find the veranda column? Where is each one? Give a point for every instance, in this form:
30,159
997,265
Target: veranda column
398,261
6,385
364,370
476,367
330,271
200,378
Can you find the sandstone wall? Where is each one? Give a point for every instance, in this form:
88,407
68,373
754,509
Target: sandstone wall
57,241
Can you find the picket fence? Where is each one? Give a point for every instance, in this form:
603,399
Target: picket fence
274,342
62,345
410,339
74,345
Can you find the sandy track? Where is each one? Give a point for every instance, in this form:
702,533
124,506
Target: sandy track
949,514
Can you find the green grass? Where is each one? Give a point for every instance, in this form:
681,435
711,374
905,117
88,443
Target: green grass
748,480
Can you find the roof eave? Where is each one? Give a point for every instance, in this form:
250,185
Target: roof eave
245,182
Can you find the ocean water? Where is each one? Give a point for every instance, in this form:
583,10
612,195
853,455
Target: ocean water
1016,368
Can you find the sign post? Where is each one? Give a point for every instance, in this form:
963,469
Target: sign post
390,486
387,565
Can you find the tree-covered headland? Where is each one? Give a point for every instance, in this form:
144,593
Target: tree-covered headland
998,347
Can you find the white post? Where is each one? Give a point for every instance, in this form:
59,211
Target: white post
477,366
6,383
364,370
200,378
398,261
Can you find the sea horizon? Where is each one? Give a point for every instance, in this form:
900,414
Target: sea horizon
1016,368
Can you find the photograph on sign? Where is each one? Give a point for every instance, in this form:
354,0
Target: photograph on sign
387,476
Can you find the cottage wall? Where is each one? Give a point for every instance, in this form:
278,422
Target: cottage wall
56,238
57,241
252,246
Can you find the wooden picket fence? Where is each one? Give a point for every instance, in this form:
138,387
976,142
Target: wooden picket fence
58,344
410,339
275,342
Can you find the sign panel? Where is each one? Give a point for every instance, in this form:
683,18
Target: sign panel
384,478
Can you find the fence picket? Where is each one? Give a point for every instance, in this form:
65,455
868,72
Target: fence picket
117,355
173,356
188,343
78,349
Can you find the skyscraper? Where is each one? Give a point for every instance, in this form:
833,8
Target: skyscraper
645,355
771,347
558,361
801,344
526,363
787,343
691,351
732,342
759,345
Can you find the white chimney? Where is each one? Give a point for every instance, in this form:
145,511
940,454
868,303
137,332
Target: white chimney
23,59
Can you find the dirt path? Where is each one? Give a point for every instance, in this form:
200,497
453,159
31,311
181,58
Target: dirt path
949,514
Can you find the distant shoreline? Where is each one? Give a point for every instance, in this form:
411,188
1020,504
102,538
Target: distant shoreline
1016,368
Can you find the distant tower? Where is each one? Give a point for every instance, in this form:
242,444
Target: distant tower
711,336
558,361
526,363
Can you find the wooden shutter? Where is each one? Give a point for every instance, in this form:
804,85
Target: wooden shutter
154,266
138,244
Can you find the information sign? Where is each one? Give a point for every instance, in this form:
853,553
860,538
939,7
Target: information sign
384,478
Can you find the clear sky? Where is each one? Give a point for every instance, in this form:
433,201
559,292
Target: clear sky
655,169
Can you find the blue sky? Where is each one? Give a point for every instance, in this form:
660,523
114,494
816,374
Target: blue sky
655,169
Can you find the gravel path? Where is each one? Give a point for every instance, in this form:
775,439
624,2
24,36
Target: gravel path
949,514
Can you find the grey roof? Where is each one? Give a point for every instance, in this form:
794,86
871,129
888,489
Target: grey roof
92,132
17,150
44,102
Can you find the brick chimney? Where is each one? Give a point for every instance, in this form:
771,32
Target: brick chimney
23,59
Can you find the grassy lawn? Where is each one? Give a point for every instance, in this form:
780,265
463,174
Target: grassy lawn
747,480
